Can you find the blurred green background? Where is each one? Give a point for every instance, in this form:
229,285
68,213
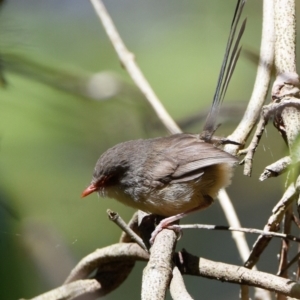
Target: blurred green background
54,124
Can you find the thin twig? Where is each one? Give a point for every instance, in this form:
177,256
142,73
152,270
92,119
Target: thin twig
297,222
272,225
283,261
133,225
248,159
267,112
115,217
240,229
128,61
298,264
292,261
233,221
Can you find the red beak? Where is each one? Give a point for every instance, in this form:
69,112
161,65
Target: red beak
90,189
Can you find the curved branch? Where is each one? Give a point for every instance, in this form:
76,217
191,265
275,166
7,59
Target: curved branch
262,80
71,290
110,265
158,273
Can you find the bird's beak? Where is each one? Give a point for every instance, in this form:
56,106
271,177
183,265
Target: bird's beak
90,189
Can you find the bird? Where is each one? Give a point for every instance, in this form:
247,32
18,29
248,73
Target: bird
175,175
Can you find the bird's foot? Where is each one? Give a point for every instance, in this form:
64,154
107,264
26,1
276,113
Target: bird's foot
165,224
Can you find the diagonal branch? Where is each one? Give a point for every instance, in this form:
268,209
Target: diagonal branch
115,217
272,225
128,61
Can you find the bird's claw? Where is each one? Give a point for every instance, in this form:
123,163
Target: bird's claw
176,228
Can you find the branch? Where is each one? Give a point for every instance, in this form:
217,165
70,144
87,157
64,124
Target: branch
285,31
133,225
233,221
71,291
177,287
285,88
288,122
272,225
241,229
283,261
248,160
115,217
158,272
266,113
198,266
262,80
113,265
291,262
128,61
277,168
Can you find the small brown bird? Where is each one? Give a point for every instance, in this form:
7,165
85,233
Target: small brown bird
175,175
167,176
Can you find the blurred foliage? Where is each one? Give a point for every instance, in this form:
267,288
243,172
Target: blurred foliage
53,128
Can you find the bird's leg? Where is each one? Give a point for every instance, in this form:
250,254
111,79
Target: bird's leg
210,138
223,141
167,222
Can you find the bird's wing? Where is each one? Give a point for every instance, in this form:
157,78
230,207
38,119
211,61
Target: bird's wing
185,159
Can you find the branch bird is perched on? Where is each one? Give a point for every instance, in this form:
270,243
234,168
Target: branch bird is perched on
175,175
